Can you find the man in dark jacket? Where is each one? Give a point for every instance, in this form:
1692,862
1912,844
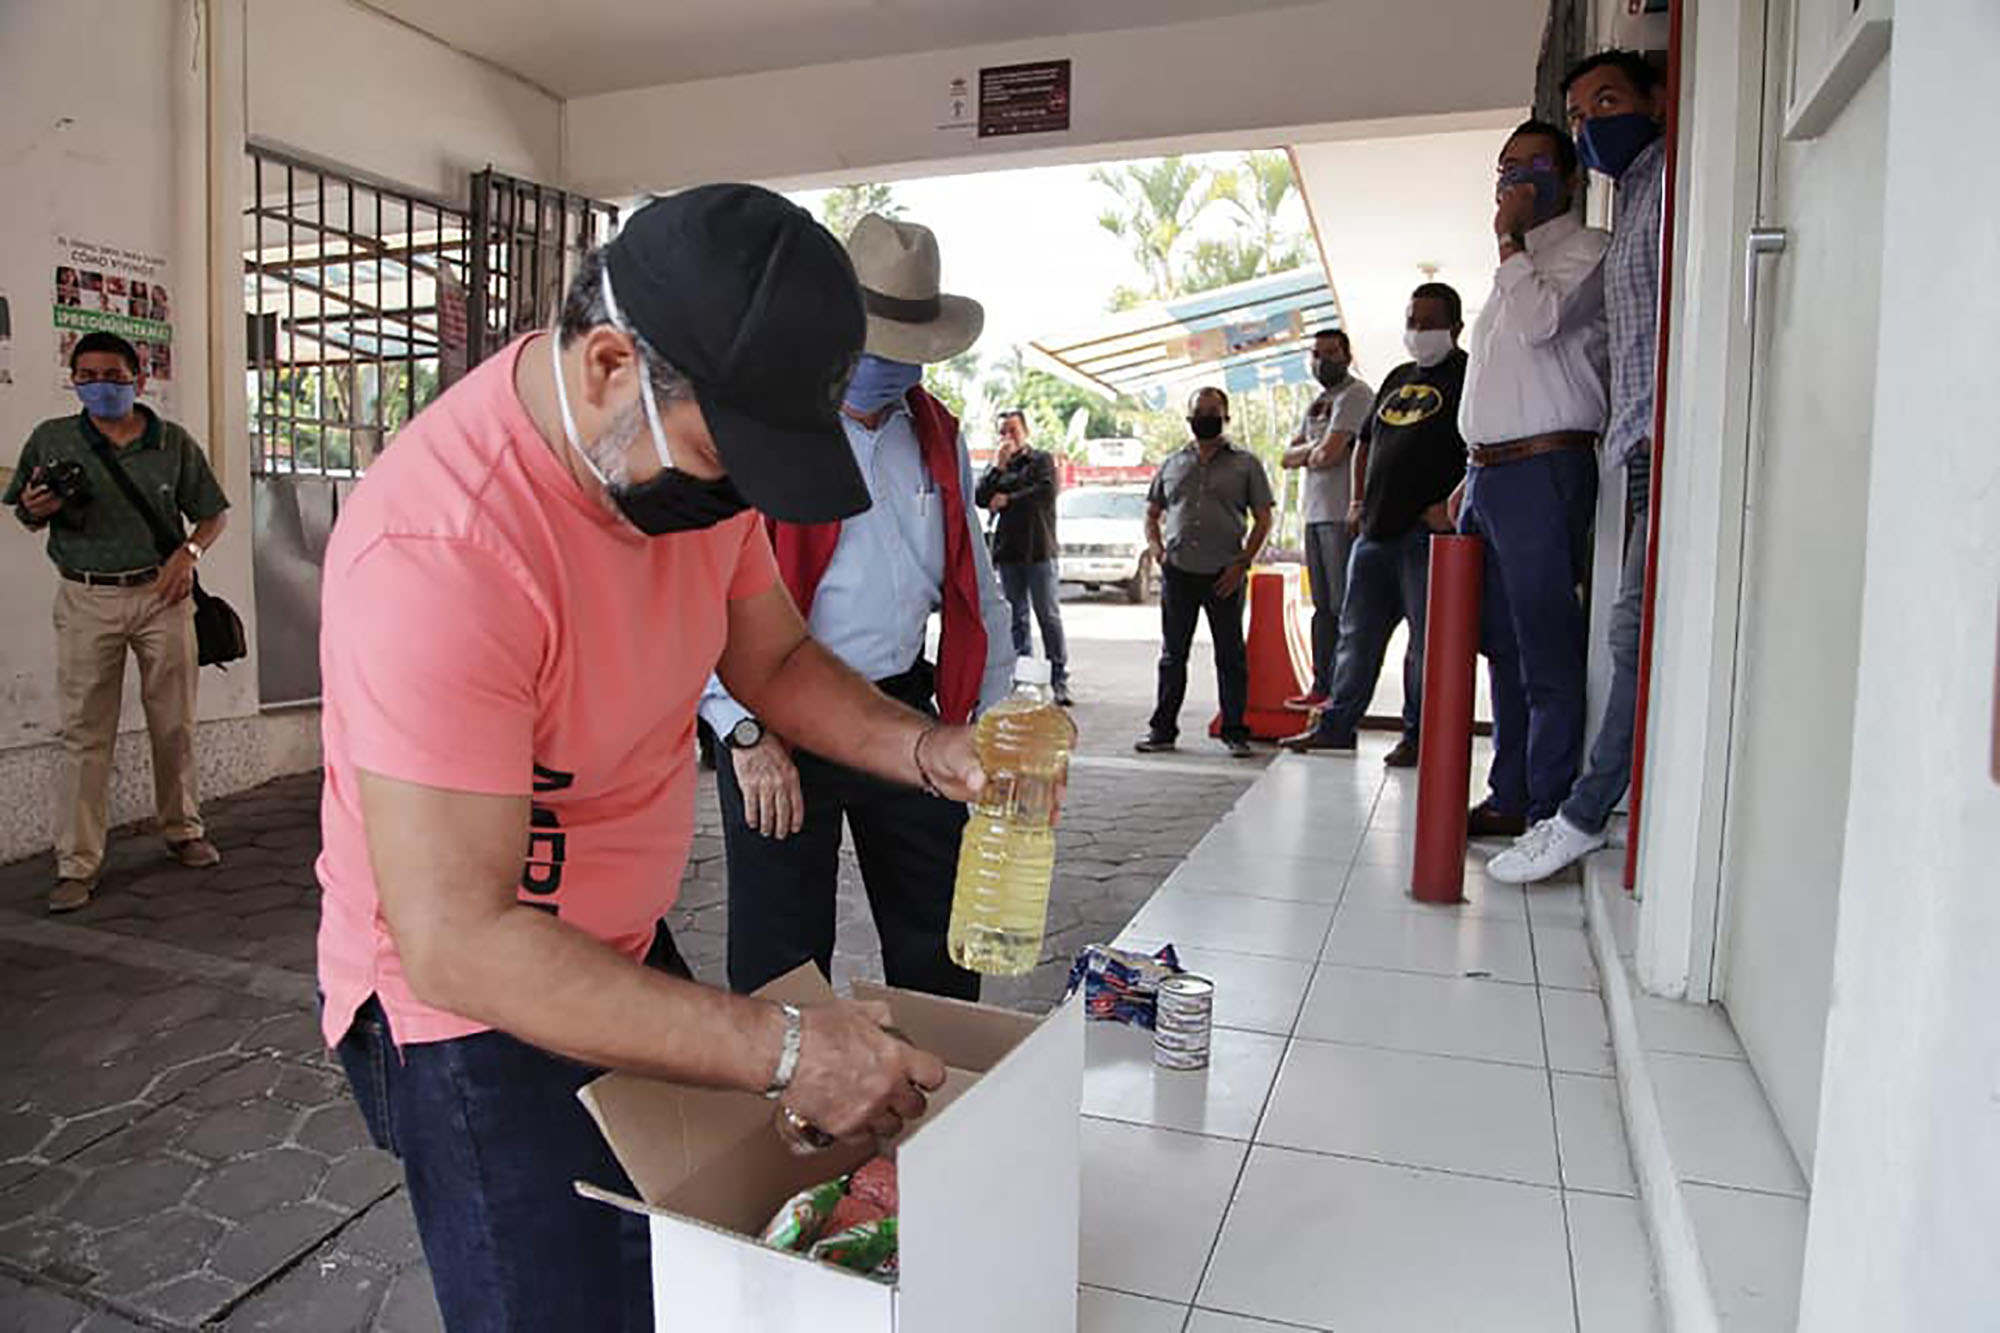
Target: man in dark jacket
1020,489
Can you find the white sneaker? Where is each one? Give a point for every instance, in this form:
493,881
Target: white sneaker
1542,851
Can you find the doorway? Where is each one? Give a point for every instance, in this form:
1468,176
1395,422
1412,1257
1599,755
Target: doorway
1804,537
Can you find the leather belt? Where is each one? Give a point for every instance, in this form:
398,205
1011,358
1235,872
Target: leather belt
1513,451
138,578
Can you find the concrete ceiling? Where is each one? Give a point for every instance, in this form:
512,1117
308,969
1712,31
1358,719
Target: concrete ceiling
584,47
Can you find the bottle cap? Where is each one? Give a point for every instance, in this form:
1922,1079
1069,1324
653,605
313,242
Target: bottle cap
1032,671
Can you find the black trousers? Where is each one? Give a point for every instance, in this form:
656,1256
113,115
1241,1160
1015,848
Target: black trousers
781,890
1183,599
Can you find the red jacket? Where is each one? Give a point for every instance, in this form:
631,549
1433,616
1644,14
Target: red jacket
806,549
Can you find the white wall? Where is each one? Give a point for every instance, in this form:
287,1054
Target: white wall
125,161
1273,76
346,86
1394,212
1701,487
1906,1196
117,160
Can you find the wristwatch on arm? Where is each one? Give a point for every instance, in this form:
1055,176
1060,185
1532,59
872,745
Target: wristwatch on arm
745,735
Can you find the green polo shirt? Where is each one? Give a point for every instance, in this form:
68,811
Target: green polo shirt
107,536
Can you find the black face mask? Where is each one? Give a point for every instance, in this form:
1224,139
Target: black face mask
1329,373
676,502
1205,427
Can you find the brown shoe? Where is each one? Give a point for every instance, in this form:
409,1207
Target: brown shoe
195,853
70,894
1403,756
1483,821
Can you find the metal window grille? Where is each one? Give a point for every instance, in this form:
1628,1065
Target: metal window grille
355,300
529,239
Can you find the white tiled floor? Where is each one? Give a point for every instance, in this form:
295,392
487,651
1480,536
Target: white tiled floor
1408,1125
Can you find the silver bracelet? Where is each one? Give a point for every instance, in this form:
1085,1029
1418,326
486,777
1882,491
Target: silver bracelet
788,1056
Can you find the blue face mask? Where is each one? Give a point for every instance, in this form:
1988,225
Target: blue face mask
1548,186
1610,144
107,401
879,382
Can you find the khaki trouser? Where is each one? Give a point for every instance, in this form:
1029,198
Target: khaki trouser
94,629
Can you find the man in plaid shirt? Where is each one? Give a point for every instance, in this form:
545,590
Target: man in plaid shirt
1615,110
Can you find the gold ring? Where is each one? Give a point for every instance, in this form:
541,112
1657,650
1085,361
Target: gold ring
801,1135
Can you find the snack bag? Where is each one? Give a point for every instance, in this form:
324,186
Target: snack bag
1121,987
804,1217
868,1249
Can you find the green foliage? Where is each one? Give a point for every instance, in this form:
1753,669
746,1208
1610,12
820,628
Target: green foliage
950,382
1049,402
338,417
1158,202
846,205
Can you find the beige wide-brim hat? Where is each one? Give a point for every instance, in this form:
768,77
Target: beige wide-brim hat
909,319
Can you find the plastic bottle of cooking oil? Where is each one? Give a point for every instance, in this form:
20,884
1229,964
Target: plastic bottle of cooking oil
1008,853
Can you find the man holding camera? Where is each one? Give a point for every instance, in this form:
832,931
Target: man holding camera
117,595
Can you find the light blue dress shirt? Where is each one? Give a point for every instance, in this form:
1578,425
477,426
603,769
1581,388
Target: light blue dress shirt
887,573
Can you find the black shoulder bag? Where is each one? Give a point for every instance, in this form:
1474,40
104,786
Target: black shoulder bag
218,630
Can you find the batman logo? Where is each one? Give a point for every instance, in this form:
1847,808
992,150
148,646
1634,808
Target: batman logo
1411,404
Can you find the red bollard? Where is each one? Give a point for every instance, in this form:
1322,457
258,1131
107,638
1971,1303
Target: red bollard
1444,763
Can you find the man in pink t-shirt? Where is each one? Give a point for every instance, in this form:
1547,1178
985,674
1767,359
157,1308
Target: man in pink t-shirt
523,602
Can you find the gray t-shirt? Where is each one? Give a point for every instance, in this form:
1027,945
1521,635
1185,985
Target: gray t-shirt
1346,409
1207,506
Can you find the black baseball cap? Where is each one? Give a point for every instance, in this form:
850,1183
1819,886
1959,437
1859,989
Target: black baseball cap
757,304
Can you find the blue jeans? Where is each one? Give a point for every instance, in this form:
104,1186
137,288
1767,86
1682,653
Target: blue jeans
492,1137
1387,582
1037,584
1609,771
1535,516
1327,550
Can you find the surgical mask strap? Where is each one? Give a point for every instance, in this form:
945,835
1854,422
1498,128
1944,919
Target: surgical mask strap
562,403
645,378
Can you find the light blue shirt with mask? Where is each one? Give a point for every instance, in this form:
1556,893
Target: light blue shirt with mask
886,577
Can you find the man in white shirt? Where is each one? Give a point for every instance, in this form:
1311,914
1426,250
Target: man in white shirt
1535,402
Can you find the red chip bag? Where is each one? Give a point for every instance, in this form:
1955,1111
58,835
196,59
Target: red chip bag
851,1212
876,1183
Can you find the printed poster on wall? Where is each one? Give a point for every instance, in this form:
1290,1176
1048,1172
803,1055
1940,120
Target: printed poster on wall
109,288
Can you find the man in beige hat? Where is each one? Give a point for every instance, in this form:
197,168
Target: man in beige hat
868,587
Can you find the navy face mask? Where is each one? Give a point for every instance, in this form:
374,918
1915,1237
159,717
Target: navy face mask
1610,144
1547,185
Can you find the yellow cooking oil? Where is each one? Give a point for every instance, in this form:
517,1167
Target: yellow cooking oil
1000,907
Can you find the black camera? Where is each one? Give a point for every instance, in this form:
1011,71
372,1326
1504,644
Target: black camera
68,479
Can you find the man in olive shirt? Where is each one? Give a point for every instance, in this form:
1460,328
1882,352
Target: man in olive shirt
1195,522
117,595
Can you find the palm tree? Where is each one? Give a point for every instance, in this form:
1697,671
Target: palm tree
1158,202
1257,191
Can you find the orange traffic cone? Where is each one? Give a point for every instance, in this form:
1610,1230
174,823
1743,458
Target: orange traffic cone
1280,660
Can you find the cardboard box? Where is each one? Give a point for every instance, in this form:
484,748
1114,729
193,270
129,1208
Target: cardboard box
988,1182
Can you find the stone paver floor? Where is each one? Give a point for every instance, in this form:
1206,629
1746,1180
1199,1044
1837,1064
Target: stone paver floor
176,1148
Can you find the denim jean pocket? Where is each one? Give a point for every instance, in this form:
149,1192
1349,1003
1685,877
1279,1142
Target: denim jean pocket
365,1053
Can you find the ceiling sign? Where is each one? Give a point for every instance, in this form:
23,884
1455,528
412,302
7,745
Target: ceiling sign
1024,99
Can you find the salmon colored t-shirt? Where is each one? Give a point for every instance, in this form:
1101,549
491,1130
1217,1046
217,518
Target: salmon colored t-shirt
488,627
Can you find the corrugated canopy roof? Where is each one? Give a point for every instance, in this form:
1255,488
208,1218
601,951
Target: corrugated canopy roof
1244,337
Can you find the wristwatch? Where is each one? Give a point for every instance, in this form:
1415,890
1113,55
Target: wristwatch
788,1056
194,550
745,734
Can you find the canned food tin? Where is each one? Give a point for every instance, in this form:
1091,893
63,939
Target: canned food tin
1180,1061
1186,1009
